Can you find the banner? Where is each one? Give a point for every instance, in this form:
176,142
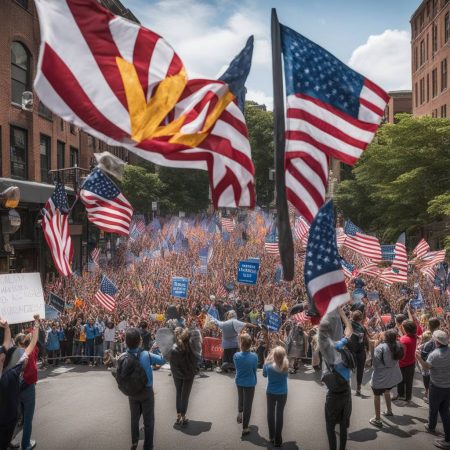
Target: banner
21,297
56,302
248,272
273,321
51,313
179,287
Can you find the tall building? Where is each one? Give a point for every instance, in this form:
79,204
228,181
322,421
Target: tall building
399,102
430,46
34,141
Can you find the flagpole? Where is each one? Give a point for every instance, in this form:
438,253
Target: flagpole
285,242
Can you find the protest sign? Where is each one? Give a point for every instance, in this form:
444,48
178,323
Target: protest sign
248,272
273,321
21,297
179,287
358,294
50,313
56,302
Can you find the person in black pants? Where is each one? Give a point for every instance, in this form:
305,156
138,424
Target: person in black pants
183,366
359,345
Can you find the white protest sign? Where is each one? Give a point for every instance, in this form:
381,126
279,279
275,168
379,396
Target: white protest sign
21,297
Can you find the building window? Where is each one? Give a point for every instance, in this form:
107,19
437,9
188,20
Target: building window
61,154
444,111
91,141
73,157
434,113
23,3
416,58
428,46
44,112
447,27
46,157
18,153
416,102
422,90
422,52
434,83
428,87
20,71
444,74
61,125
434,39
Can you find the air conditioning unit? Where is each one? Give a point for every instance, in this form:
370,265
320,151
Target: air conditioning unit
27,101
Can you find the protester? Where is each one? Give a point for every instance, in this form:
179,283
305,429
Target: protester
276,370
246,364
359,345
386,373
53,344
183,364
427,347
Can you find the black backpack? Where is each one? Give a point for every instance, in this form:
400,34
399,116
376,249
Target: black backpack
347,358
130,375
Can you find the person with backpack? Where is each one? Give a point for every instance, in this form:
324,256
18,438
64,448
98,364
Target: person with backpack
183,365
134,377
386,373
359,345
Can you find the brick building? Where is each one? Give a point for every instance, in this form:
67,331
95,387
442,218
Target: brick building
34,141
399,102
430,46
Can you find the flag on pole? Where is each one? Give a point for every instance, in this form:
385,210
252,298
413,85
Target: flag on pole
324,277
361,243
106,206
301,230
421,249
271,242
95,255
55,226
105,295
125,85
349,269
398,272
221,291
332,111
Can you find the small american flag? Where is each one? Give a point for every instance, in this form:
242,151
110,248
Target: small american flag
363,244
388,252
370,269
227,224
271,242
332,111
125,302
398,272
349,269
221,292
300,317
301,230
55,226
324,277
105,295
106,206
421,249
340,237
95,254
430,260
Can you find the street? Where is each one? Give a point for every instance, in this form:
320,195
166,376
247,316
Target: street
83,409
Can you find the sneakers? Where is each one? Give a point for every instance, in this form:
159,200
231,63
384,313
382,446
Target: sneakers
441,443
245,431
32,444
358,393
14,443
397,397
428,429
239,418
387,413
376,422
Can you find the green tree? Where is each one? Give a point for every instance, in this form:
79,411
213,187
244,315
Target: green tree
395,185
260,129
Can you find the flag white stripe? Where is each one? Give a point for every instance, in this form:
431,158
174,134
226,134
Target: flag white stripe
159,64
327,279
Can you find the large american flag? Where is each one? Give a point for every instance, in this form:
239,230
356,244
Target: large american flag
125,85
55,226
398,272
324,277
106,206
361,243
332,111
105,295
421,249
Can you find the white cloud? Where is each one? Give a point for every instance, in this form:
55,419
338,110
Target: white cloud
385,59
260,97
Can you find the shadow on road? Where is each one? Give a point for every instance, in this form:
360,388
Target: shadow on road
256,439
194,427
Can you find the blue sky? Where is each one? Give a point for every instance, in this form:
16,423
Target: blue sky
372,36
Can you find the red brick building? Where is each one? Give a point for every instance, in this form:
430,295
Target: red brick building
34,141
399,102
430,46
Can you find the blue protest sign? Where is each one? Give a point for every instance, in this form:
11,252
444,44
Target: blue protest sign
247,272
180,287
273,321
417,302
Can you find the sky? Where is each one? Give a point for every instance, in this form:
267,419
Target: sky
372,36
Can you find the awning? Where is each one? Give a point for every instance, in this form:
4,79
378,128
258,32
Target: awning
31,191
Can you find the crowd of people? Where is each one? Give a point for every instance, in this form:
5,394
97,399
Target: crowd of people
383,332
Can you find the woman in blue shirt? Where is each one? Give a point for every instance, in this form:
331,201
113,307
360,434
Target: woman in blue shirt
245,363
276,370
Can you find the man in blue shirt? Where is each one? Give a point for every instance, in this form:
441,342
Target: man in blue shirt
144,403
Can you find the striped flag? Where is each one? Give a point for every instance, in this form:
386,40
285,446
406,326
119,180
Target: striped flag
105,295
125,85
349,269
95,255
324,277
398,272
301,230
332,111
300,317
370,269
227,224
340,237
221,292
106,206
137,227
125,301
55,226
363,244
388,252
430,261
421,249
271,242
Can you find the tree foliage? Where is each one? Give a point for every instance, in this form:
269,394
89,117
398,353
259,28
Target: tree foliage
402,182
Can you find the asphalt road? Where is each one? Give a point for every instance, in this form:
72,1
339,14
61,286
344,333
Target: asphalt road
82,409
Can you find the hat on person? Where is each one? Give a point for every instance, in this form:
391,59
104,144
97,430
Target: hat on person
441,337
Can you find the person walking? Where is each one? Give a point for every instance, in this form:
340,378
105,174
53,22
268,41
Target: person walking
386,373
276,371
183,366
359,345
438,363
245,363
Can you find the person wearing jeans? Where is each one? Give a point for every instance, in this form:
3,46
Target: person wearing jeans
438,363
276,370
91,333
245,363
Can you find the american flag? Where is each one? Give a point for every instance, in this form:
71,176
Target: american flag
271,242
105,295
137,226
332,111
106,206
363,244
227,224
370,269
340,237
430,261
95,254
324,277
421,249
125,301
387,252
300,317
126,86
55,226
398,272
221,292
349,269
301,230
